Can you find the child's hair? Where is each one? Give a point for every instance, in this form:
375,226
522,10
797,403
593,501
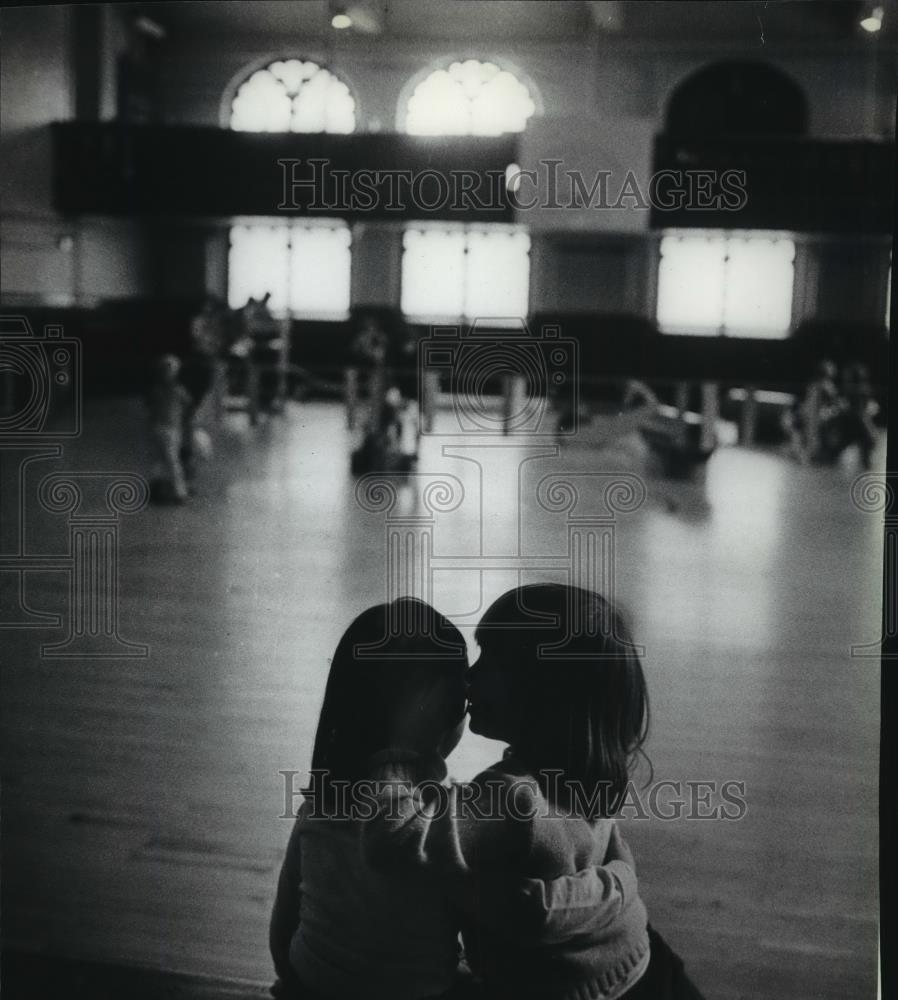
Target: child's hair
376,656
585,709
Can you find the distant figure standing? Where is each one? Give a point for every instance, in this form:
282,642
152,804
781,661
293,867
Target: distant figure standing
811,421
856,419
369,348
206,336
168,402
266,346
198,371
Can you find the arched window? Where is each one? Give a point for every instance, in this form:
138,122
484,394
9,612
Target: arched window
305,267
451,272
469,98
737,97
293,95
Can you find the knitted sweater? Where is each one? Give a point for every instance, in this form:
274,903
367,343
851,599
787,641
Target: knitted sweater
346,928
591,940
346,931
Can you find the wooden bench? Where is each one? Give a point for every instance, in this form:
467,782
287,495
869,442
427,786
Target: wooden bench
679,439
755,405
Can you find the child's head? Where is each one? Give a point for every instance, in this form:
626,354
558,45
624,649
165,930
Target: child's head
386,650
559,680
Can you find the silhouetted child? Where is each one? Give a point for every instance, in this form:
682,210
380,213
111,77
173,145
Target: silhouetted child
559,680
339,929
169,404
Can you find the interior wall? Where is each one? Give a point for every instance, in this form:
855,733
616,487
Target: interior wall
35,68
852,280
848,91
179,258
585,276
47,258
51,259
848,94
376,264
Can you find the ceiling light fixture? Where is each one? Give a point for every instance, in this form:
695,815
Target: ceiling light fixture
873,21
341,20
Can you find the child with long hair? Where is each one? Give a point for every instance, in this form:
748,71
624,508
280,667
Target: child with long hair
559,681
338,928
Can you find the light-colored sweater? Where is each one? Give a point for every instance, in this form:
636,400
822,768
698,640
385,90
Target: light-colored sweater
593,941
347,930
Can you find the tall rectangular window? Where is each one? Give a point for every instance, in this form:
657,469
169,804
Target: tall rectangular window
737,285
433,272
258,264
454,273
305,268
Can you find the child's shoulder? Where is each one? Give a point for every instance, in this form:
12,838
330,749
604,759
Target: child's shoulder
511,780
508,769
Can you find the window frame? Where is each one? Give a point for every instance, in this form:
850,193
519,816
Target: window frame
246,71
412,84
430,319
727,329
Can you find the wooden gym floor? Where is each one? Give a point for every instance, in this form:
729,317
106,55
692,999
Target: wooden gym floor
141,797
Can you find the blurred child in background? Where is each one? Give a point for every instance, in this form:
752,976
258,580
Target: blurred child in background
169,405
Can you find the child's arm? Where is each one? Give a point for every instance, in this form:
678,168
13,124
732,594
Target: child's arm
481,854
454,830
619,849
591,900
285,914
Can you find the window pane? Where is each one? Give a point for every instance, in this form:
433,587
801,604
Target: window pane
257,263
324,104
497,275
306,269
691,284
759,282
438,107
320,265
261,105
502,104
433,272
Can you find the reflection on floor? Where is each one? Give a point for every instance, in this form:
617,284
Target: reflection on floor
142,796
